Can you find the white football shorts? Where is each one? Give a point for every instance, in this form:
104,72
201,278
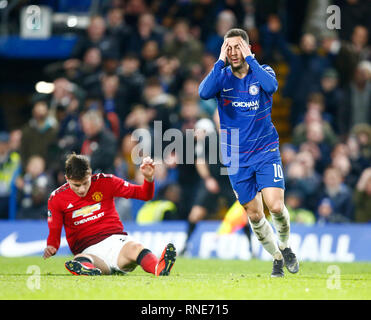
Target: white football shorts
108,250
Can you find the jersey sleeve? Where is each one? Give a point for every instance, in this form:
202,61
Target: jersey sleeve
211,85
125,189
264,74
55,223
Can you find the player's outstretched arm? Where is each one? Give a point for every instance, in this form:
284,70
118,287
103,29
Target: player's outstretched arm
128,190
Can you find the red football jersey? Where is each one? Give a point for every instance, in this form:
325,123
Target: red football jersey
90,219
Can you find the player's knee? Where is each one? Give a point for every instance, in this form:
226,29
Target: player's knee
253,214
134,249
276,207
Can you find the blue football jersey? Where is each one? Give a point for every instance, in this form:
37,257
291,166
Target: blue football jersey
247,134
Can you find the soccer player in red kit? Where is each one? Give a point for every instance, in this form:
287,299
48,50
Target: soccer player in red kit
85,207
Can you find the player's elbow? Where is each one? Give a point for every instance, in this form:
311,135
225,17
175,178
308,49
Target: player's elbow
272,87
148,197
202,94
204,91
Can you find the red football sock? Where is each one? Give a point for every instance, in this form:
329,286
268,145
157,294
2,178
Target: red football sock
147,260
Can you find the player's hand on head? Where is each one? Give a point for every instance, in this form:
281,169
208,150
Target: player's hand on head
245,48
49,251
148,168
223,51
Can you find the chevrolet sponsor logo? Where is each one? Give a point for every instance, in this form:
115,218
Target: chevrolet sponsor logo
86,211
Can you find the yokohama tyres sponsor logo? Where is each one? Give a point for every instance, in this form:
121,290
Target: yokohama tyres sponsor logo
243,104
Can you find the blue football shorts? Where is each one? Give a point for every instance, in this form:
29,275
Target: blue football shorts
248,181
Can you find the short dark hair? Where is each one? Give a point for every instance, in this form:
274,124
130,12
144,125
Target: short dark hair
236,32
77,167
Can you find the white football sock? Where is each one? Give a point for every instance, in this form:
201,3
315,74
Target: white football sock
281,222
264,232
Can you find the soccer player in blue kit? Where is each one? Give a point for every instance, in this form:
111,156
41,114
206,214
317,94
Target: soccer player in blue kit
244,93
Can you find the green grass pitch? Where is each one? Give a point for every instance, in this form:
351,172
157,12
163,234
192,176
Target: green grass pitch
191,279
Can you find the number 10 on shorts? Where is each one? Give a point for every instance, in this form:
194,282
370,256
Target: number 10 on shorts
278,173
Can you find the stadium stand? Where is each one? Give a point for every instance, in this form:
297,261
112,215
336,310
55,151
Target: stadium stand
134,62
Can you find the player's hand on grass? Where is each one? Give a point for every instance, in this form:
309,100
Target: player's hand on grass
148,168
245,48
49,251
223,51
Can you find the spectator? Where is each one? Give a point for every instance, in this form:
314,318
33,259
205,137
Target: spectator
357,160
34,189
316,101
147,29
356,106
315,136
190,90
256,47
118,29
348,161
181,43
88,70
99,144
335,202
134,9
333,95
131,84
269,33
362,197
311,179
163,207
237,7
15,137
353,13
362,132
288,155
9,170
140,118
95,37
313,115
66,95
69,137
170,74
112,102
302,177
188,177
350,53
39,135
306,67
207,63
163,105
76,70
342,163
125,168
213,184
298,212
226,20
149,55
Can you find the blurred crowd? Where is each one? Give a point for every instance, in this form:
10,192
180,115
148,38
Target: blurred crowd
141,61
